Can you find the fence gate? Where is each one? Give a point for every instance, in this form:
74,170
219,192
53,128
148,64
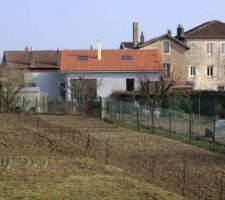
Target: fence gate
96,107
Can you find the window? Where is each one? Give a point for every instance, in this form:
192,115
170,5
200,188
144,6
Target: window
127,57
82,57
167,69
192,71
210,70
223,48
220,88
209,48
193,47
130,84
166,47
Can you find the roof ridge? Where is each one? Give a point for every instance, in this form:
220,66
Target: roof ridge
164,35
201,26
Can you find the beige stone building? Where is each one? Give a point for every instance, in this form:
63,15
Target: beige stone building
206,58
173,51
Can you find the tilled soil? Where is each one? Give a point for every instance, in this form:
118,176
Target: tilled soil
185,169
182,168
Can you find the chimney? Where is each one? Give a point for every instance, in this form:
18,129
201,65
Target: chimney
58,57
135,34
169,32
32,58
142,37
26,48
99,47
180,31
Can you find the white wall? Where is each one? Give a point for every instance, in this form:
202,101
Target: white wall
48,82
111,81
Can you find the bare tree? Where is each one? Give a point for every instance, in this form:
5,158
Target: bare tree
82,90
155,90
11,82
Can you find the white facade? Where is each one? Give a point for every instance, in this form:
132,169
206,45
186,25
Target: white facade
47,82
110,81
206,63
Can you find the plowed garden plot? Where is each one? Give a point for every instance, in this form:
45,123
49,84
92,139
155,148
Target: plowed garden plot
41,159
182,168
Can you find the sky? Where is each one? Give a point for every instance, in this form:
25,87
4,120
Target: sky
78,24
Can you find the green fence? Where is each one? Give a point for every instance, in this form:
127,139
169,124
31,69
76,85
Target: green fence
185,126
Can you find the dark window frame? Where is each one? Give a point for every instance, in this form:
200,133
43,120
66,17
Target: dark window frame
166,47
130,84
82,57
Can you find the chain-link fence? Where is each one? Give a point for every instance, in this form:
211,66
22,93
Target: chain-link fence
190,126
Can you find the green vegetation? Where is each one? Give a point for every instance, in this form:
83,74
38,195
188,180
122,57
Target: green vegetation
182,137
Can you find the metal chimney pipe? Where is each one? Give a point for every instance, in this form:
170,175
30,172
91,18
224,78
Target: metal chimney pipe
99,47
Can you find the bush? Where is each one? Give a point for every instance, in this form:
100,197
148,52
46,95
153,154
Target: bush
123,96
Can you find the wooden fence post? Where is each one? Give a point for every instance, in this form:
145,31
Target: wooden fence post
153,168
107,151
37,123
61,133
221,188
131,161
184,177
170,131
74,138
87,146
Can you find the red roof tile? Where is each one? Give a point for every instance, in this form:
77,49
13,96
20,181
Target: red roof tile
143,60
184,84
25,59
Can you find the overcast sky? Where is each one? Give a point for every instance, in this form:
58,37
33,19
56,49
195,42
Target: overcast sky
78,24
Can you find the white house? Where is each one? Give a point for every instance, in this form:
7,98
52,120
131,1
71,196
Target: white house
117,70
41,69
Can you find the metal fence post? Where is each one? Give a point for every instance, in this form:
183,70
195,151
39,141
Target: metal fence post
43,104
170,129
123,112
111,114
213,134
137,118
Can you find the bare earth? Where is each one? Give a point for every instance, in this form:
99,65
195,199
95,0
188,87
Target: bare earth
49,157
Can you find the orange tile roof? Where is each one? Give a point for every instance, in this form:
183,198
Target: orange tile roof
184,84
143,60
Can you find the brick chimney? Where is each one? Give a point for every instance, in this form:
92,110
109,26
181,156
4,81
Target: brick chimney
142,37
135,34
180,33
26,48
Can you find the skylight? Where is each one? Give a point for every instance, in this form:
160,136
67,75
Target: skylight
82,57
126,57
